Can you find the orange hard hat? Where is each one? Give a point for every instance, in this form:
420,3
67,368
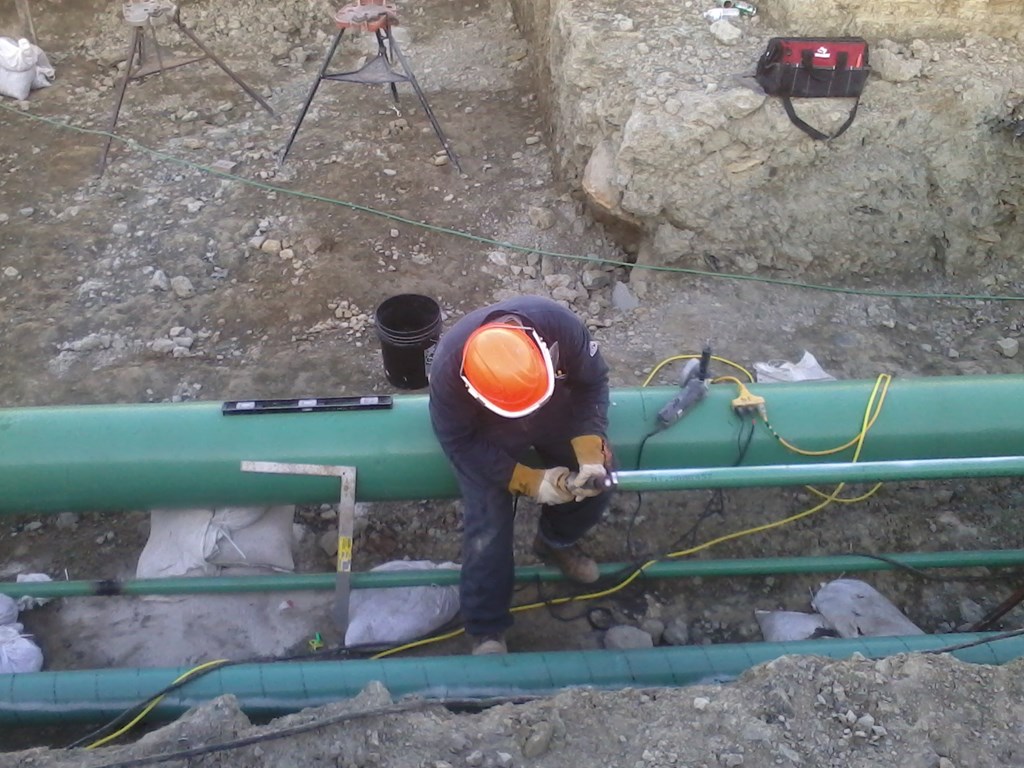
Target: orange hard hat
508,368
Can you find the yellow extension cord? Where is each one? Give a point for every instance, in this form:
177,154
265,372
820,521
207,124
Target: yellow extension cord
871,413
153,702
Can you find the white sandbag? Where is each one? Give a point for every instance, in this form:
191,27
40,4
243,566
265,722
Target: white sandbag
251,537
789,626
175,544
8,610
856,609
17,652
401,614
203,542
23,66
25,602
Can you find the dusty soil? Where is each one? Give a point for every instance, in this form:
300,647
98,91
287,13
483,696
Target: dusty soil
360,212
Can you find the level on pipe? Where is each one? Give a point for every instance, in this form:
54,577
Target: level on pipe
665,569
273,689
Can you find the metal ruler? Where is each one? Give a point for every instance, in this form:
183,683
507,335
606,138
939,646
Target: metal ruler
346,525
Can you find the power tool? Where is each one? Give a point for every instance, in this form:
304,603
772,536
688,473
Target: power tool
606,483
693,386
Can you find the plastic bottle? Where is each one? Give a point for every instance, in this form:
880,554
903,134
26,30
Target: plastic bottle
745,9
715,14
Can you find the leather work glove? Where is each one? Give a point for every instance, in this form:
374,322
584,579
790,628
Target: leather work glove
594,458
546,486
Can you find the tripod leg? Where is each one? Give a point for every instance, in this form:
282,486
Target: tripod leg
312,93
25,20
389,58
135,50
159,55
213,57
426,107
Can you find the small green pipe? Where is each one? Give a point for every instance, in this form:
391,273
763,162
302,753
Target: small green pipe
801,474
123,457
271,690
666,569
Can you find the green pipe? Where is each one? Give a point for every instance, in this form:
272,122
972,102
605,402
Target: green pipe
801,474
667,569
119,457
270,690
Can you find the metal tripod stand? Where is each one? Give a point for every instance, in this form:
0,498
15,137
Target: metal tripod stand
378,71
140,64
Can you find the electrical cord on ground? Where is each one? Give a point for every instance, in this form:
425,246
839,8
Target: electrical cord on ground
639,570
630,549
136,714
921,574
497,243
716,502
870,415
976,643
132,716
870,410
324,722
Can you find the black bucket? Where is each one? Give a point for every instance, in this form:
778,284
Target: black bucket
408,326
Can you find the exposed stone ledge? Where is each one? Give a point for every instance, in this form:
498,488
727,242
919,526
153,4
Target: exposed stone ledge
663,129
899,19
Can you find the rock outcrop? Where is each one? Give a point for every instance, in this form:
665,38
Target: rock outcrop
659,124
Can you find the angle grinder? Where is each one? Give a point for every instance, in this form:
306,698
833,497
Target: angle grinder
693,385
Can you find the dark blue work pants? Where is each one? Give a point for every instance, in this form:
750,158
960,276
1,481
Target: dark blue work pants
487,540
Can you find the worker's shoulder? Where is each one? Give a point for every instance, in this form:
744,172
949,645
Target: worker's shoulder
531,302
539,309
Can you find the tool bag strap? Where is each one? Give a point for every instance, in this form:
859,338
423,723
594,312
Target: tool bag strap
810,130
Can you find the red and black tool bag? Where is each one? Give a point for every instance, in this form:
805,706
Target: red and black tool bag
814,67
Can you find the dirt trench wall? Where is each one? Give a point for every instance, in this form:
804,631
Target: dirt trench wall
886,18
659,124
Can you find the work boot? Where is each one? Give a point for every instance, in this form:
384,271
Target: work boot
489,645
570,560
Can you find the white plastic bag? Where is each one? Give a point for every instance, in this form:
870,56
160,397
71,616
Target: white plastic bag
8,610
25,602
17,652
807,369
788,626
400,614
23,66
856,609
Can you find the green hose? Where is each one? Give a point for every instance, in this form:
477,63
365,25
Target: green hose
666,569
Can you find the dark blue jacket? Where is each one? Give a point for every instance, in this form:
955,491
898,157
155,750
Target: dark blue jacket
472,436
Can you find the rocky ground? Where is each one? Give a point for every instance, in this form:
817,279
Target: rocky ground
794,711
165,281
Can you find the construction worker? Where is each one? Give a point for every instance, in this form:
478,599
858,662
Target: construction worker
518,375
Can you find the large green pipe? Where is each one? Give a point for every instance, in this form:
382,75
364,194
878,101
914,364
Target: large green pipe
669,569
116,457
269,690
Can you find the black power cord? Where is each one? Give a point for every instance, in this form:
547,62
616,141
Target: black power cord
295,730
